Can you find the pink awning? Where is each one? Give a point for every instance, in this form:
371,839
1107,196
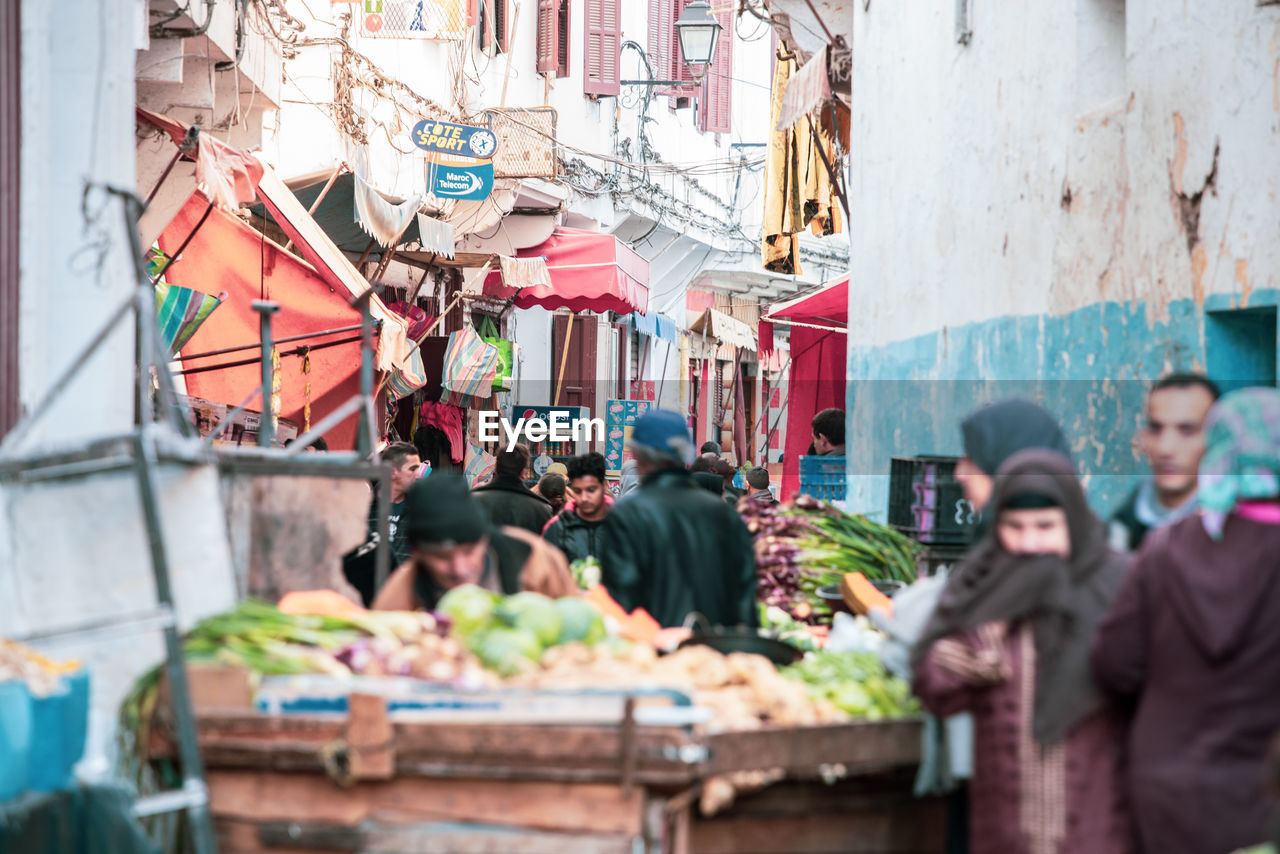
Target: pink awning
590,271
827,308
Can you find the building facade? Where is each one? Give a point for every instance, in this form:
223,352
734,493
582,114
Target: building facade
1061,201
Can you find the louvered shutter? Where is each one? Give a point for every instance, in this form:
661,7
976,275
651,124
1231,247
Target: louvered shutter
678,70
661,36
602,47
500,23
562,39
548,49
716,113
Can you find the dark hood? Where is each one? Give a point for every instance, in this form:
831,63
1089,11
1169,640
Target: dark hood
1219,589
510,484
996,432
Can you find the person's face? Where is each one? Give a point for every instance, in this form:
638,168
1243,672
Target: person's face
976,483
1174,438
588,491
453,566
1041,531
403,476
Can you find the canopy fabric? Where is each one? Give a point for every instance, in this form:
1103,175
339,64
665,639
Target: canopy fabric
725,329
815,382
333,267
337,214
224,174
226,254
827,307
589,271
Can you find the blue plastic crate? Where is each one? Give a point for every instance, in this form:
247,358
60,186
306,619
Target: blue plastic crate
15,738
823,477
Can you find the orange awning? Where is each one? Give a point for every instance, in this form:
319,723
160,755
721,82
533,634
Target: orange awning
228,255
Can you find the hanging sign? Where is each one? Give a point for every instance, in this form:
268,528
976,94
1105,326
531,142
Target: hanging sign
448,138
453,181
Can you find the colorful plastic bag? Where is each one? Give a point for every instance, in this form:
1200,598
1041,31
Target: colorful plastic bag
469,364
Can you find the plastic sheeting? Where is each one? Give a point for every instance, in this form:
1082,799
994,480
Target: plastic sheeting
590,271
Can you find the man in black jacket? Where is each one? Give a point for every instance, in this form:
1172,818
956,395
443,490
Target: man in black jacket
576,530
669,546
507,501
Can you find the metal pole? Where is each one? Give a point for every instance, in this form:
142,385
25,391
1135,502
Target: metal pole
266,426
364,432
287,340
175,667
382,555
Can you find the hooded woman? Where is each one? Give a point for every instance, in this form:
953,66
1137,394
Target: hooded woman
1010,642
1193,639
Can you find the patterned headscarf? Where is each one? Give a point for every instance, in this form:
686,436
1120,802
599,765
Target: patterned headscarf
1242,461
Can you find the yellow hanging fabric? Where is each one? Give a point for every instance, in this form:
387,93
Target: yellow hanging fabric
798,188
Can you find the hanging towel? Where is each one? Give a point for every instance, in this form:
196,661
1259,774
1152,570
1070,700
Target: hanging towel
380,219
436,236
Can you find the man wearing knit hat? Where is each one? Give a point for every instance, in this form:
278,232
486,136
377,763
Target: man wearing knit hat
671,547
452,543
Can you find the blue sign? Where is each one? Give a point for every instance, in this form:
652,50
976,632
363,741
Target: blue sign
460,182
448,138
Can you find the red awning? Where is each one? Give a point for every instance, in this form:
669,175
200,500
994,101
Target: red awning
827,308
226,254
590,271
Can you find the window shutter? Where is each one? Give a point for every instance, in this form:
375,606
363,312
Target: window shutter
500,23
562,39
676,69
493,26
548,49
661,34
602,47
716,112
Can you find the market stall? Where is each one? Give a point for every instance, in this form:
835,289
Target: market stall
524,724
819,335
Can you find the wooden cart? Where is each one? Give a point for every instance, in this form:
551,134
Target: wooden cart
288,784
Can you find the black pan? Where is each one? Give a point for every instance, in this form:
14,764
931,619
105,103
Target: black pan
746,640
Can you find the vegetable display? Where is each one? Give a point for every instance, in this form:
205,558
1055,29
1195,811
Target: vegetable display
586,571
856,683
806,544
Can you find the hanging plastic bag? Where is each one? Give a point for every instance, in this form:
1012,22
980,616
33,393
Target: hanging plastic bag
469,364
506,352
479,466
405,380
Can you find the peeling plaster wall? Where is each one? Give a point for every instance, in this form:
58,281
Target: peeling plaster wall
1049,210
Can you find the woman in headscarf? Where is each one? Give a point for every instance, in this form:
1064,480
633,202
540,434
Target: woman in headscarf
1194,640
1010,642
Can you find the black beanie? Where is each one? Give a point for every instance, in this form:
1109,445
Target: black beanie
440,510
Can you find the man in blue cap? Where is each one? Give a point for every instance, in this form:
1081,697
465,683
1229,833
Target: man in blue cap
670,546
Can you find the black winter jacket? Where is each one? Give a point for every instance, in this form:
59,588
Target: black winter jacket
574,536
673,548
507,501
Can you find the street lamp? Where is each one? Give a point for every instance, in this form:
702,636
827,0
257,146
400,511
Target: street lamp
697,31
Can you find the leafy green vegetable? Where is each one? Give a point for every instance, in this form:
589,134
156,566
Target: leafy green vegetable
856,683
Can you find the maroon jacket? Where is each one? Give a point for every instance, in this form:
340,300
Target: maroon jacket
1194,640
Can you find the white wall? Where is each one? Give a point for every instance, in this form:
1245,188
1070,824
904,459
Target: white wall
77,125
1037,169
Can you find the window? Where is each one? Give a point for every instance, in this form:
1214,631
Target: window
715,110
1240,347
602,47
553,37
664,47
492,25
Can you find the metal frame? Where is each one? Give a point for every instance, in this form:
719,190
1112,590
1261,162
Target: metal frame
151,443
